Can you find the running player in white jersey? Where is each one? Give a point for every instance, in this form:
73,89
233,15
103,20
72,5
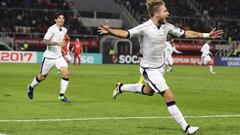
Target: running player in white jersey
169,49
54,39
205,58
154,33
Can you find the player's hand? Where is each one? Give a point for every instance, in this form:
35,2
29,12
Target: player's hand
61,44
103,28
215,33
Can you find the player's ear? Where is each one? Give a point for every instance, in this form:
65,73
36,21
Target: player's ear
156,14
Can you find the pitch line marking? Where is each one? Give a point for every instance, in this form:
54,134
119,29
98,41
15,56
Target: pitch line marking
118,118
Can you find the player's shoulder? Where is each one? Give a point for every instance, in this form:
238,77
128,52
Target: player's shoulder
54,26
146,24
64,29
168,45
167,42
168,25
206,44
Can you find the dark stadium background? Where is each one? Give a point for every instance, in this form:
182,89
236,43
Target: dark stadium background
26,21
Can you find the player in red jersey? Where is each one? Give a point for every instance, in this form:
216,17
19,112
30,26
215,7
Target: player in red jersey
77,50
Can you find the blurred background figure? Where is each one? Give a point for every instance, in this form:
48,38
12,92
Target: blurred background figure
111,51
140,55
24,46
169,49
206,58
77,49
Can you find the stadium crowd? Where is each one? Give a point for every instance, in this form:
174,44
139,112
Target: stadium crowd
29,16
224,16
187,18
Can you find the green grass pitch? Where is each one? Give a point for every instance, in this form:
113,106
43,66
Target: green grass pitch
197,93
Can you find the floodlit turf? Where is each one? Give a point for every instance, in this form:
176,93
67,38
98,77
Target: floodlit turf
197,93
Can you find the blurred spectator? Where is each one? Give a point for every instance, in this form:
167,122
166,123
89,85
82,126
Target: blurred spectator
111,51
225,15
24,46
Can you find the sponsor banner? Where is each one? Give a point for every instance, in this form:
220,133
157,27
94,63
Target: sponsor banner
120,59
186,60
89,42
18,57
133,59
32,41
86,58
227,61
128,59
90,58
192,46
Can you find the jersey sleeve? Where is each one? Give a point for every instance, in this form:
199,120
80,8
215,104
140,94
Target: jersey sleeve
175,30
136,31
49,34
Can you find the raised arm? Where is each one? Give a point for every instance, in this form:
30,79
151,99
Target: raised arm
213,34
105,29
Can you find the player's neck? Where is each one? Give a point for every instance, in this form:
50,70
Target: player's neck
155,21
60,27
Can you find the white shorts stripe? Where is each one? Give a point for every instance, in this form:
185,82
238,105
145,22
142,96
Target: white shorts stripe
155,78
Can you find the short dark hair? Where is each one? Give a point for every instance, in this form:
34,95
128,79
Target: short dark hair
58,14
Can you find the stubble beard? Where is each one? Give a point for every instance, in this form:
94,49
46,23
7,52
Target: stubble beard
162,21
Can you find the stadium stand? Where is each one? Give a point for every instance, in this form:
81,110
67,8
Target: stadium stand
186,18
29,16
224,9
224,16
33,17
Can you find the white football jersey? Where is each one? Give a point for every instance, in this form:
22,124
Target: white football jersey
54,34
153,41
205,49
168,49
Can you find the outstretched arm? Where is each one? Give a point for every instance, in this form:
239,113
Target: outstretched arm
105,29
176,51
213,34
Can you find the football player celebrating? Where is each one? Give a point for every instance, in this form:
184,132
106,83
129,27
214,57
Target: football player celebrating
154,34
